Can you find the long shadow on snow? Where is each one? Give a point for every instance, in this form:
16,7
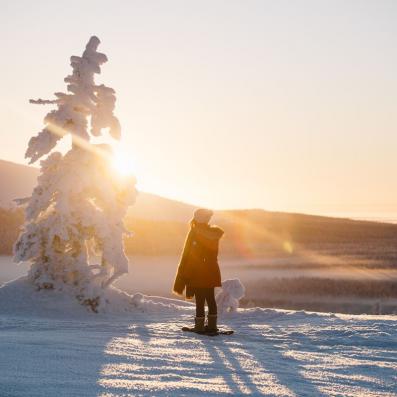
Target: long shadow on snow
351,346
285,372
174,362
171,361
191,364
52,357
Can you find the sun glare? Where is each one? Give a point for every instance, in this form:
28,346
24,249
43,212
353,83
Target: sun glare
122,163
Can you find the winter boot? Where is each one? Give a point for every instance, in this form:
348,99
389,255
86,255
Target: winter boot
212,323
199,324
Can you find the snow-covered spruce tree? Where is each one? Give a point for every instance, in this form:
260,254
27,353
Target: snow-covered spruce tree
79,201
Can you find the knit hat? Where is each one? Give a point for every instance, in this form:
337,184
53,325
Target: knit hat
203,215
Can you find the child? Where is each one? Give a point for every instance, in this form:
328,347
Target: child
198,270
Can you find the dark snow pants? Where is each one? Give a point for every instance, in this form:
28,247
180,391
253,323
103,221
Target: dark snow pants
203,295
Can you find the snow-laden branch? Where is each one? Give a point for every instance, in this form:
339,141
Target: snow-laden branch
83,98
43,101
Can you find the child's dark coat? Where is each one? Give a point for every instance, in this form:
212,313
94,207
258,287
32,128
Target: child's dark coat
198,267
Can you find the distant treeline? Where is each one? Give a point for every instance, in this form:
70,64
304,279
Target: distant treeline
10,223
149,237
322,287
354,296
256,233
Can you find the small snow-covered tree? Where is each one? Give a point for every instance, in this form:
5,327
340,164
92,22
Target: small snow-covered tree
79,201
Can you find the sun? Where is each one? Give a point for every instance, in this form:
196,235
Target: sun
122,163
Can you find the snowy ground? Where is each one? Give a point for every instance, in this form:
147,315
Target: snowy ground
50,346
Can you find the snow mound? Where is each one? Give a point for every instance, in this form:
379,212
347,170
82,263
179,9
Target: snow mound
20,298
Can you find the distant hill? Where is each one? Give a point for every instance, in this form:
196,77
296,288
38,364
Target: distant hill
17,180
153,207
160,227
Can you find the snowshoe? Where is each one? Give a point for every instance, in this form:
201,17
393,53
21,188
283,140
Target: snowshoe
208,332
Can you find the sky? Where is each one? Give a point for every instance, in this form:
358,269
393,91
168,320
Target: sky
281,105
